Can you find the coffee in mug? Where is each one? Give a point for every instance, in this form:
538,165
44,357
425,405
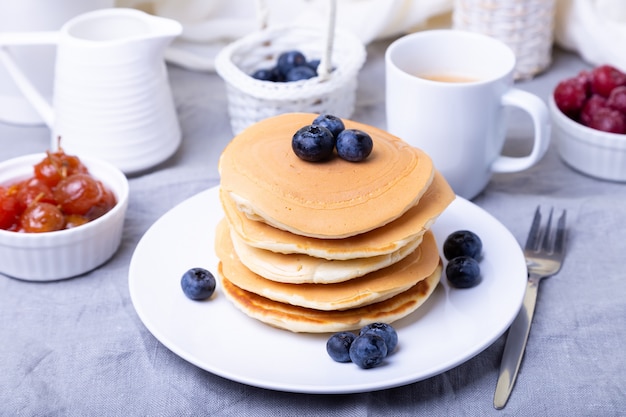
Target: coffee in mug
448,78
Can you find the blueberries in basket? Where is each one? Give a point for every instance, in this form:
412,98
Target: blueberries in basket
330,122
198,283
264,74
290,66
338,346
313,64
368,350
313,143
463,272
384,330
462,243
354,145
290,59
302,72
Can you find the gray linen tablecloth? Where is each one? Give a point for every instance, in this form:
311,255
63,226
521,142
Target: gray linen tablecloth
78,348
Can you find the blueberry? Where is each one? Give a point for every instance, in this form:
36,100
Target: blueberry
368,350
463,272
288,60
300,73
313,143
338,346
354,145
277,76
313,64
198,283
330,122
384,330
462,243
264,74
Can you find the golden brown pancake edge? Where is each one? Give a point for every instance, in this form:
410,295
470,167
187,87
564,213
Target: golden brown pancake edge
370,288
304,320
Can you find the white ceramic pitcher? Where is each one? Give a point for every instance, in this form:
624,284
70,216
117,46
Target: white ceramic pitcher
111,96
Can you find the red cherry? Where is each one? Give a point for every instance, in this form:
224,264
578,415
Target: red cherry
42,217
605,78
56,166
106,203
569,96
591,106
9,209
617,99
607,119
75,220
32,190
77,193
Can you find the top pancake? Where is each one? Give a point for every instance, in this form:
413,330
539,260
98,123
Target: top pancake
381,241
332,199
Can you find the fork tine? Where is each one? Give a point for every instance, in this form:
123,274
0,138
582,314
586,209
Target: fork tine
546,244
559,240
533,235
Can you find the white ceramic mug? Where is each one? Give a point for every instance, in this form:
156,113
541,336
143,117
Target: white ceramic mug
461,125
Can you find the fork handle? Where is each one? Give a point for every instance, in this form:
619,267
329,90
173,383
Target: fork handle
516,344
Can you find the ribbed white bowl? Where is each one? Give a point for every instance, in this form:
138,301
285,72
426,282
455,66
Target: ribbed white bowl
65,253
590,151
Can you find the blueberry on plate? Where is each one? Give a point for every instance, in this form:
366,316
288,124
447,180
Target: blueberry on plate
313,143
198,283
300,73
384,330
338,346
463,272
462,243
330,122
290,59
368,350
354,145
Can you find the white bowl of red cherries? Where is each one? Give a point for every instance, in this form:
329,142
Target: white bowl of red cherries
589,115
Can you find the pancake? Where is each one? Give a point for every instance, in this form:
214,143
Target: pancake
332,199
299,319
299,269
381,241
373,287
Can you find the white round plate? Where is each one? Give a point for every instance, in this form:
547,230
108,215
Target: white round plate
451,327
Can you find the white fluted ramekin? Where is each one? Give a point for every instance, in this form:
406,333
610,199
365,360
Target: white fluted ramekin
65,253
590,151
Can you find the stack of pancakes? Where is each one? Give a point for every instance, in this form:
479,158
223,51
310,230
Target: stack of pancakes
327,246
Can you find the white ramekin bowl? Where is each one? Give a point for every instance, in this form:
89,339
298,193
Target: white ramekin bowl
590,151
65,253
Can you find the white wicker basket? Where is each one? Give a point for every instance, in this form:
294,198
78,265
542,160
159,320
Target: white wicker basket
251,100
527,26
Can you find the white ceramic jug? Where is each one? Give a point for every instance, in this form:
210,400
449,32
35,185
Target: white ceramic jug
111,96
37,62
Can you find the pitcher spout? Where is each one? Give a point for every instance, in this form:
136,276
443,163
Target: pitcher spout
121,25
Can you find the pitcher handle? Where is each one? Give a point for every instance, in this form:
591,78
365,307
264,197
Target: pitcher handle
28,38
33,96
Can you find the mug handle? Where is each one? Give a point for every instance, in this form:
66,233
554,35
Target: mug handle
538,112
33,96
